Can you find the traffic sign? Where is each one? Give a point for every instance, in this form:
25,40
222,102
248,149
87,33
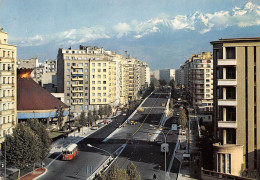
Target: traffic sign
174,127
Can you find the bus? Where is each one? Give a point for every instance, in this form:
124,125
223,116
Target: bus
70,152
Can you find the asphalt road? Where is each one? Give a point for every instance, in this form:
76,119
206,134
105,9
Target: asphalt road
77,168
141,148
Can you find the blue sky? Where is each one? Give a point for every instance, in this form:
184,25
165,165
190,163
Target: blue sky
164,33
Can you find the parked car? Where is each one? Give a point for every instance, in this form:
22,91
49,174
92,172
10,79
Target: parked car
159,142
94,128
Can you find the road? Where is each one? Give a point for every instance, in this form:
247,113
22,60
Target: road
141,148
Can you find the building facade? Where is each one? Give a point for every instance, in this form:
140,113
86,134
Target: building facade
8,87
91,77
237,106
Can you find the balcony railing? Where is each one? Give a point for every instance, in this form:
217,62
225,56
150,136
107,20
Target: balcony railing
227,124
227,82
227,102
227,62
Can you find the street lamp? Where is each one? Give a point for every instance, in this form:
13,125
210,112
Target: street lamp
5,148
89,145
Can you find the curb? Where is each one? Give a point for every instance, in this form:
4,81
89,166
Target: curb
46,170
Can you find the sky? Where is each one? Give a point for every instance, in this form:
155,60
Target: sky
164,33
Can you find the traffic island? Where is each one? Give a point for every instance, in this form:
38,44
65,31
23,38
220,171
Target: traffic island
34,174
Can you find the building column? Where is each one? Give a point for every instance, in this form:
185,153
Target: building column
224,73
224,114
224,136
224,93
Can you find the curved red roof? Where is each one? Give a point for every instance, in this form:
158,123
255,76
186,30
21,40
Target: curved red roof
31,96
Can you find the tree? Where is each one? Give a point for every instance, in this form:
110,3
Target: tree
95,114
132,172
90,118
109,110
155,82
101,111
151,88
172,83
171,103
22,147
116,173
82,119
162,82
182,118
40,129
60,112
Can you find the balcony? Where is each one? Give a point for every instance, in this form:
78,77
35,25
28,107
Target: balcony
76,73
6,112
77,97
227,82
75,91
227,124
227,102
6,59
227,62
77,85
7,99
77,67
7,73
77,79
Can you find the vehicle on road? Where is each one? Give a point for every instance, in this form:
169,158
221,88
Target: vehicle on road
132,122
70,152
94,128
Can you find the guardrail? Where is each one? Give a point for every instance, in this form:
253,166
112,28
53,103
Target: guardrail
213,175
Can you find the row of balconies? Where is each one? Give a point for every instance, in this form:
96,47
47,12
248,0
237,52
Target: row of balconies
6,112
6,59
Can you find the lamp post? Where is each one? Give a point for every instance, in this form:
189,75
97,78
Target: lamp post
165,141
5,148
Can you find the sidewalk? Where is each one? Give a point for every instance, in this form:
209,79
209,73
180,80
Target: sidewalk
189,170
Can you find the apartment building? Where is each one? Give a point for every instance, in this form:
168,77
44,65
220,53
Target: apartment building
134,78
200,80
8,88
145,75
236,106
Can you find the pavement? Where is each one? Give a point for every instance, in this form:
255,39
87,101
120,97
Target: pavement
190,169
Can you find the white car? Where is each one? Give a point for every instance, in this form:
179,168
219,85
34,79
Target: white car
94,128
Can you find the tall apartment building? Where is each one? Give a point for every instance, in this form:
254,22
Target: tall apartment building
237,106
134,78
145,75
200,80
179,76
167,75
8,88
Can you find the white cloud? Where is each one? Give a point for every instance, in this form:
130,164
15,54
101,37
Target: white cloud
71,37
122,29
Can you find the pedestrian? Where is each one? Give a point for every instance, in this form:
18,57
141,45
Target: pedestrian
154,176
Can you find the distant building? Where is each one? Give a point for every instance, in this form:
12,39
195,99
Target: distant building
163,74
236,106
8,86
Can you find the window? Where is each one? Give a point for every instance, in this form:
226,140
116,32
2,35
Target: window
99,70
99,64
93,82
99,100
86,70
93,88
104,100
68,76
86,82
223,163
86,64
93,94
93,76
104,94
104,76
93,70
99,88
104,70
68,64
68,88
86,88
68,82
99,94
86,108
99,82
230,53
99,76
93,100
80,108
68,70
68,101
86,94
68,94
104,88
80,64
93,64
104,64
104,82
86,76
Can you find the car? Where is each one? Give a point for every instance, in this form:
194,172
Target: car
124,114
94,128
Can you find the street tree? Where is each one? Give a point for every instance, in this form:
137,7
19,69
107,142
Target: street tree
171,104
116,173
182,118
172,83
109,110
95,114
22,147
45,141
90,118
151,88
101,111
132,172
162,82
82,119
155,82
60,116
